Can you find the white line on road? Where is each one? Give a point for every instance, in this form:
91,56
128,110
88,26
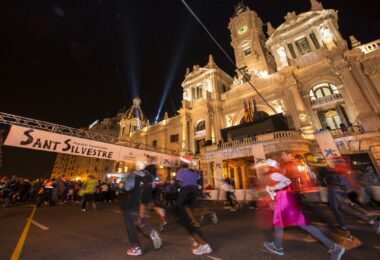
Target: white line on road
39,225
377,247
214,258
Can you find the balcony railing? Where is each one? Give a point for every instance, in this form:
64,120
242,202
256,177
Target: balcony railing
260,138
326,99
370,47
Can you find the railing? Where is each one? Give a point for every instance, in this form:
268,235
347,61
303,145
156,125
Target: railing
260,138
326,99
355,129
370,47
200,133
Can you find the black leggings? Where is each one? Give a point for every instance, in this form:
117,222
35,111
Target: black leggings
186,198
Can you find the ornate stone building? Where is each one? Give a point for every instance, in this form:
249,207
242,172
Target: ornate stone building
304,69
72,167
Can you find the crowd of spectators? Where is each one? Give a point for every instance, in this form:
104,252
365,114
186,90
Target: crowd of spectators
50,192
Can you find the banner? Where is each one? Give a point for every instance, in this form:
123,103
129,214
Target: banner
327,144
58,143
258,152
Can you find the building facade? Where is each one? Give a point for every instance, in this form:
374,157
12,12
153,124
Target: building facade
304,69
79,167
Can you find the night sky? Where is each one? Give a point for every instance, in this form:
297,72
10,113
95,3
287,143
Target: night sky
74,61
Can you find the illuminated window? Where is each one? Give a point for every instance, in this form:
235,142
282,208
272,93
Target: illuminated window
303,46
201,126
322,90
292,52
315,40
247,52
197,92
174,138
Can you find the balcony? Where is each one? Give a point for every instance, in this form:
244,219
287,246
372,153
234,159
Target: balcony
200,133
370,47
326,99
260,138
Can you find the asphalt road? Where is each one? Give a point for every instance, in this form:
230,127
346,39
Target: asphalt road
64,232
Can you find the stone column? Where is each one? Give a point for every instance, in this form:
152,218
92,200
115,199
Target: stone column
297,105
367,117
208,125
185,133
210,178
372,69
368,88
244,175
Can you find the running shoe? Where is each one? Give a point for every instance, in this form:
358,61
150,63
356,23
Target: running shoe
156,239
337,252
134,251
214,218
271,247
163,225
83,210
202,250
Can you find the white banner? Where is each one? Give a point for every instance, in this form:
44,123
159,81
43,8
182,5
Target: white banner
327,144
58,143
258,152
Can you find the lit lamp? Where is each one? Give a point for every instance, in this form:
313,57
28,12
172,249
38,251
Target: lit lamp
173,174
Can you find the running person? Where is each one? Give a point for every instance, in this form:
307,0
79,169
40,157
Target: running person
188,181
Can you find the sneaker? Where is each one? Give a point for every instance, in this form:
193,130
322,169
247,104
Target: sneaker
214,218
202,250
83,210
201,218
156,239
337,252
271,247
163,225
134,251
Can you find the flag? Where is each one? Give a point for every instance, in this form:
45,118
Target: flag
251,112
255,111
246,112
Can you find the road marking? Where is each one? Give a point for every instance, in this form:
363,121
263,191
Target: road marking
39,225
377,247
214,258
20,244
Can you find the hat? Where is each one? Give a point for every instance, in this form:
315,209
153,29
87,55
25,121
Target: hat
185,159
272,163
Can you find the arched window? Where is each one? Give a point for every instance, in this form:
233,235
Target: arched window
200,126
322,90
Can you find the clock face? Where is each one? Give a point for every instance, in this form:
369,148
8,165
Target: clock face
243,29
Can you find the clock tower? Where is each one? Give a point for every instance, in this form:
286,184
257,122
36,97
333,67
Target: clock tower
248,41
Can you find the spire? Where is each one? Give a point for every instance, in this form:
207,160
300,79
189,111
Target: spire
316,5
211,63
354,42
240,7
270,29
187,71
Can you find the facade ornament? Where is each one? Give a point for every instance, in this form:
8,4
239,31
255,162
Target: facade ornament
354,42
211,63
270,29
236,81
240,7
316,5
187,71
290,17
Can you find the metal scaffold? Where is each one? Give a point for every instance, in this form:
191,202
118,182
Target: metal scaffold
9,119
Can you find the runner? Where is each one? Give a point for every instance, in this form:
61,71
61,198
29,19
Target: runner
88,192
188,181
287,212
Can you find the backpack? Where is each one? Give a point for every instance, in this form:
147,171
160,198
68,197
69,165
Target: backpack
130,181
